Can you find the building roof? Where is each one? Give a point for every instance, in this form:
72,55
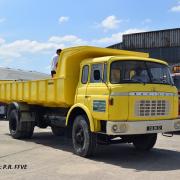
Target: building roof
18,74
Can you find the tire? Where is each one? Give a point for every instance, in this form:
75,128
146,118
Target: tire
58,131
19,130
145,142
84,141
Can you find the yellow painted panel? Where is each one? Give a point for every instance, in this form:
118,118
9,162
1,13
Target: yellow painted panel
8,91
14,91
20,91
33,90
26,94
3,91
42,91
50,91
176,105
97,100
119,109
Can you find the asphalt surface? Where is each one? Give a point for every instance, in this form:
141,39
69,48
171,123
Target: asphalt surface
48,157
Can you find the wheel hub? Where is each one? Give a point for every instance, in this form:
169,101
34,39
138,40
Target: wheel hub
79,136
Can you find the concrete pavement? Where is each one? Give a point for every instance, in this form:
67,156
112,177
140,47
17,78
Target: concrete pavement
48,157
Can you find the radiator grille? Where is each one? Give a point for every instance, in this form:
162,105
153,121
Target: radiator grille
152,108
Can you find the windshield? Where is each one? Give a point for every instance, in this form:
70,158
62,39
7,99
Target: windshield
177,81
139,72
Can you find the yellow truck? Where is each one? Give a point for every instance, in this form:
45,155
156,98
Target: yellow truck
97,96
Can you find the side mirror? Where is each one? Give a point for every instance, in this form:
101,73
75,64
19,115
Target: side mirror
97,75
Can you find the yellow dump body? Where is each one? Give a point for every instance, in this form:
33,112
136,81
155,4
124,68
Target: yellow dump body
60,90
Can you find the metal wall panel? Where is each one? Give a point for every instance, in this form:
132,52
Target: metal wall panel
116,46
164,38
163,44
171,54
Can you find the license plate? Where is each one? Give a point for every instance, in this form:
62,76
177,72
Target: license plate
154,128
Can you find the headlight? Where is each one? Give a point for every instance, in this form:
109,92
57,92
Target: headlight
121,128
115,128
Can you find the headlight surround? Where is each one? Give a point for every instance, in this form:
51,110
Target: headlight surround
177,125
119,128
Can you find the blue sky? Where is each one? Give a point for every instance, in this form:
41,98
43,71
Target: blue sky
31,30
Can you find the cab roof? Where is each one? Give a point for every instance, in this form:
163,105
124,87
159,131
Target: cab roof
90,54
113,58
93,51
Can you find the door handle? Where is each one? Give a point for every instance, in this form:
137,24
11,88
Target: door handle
87,96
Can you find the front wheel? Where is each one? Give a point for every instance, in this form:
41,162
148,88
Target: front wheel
84,141
145,142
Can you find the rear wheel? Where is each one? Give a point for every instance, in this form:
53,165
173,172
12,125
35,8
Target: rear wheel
145,142
84,141
20,130
58,131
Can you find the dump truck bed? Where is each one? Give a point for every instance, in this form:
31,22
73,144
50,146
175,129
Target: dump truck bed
42,92
60,90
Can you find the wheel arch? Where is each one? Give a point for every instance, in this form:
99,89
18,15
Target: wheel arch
18,106
13,105
79,109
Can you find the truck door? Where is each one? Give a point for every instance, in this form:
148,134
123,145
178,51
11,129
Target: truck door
81,90
97,93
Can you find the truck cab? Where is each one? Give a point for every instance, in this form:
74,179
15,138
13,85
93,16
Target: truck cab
121,92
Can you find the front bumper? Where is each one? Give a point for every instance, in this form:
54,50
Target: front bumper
142,127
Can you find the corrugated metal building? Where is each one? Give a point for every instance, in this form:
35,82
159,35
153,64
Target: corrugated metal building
164,44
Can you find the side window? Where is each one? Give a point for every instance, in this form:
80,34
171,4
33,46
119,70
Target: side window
105,73
96,73
85,72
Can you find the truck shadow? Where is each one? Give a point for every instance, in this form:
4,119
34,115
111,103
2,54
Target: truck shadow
122,155
126,156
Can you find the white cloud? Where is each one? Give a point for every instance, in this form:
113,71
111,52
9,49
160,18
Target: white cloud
27,46
134,30
20,48
2,41
176,8
18,51
117,37
110,22
2,20
63,19
111,39
67,39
